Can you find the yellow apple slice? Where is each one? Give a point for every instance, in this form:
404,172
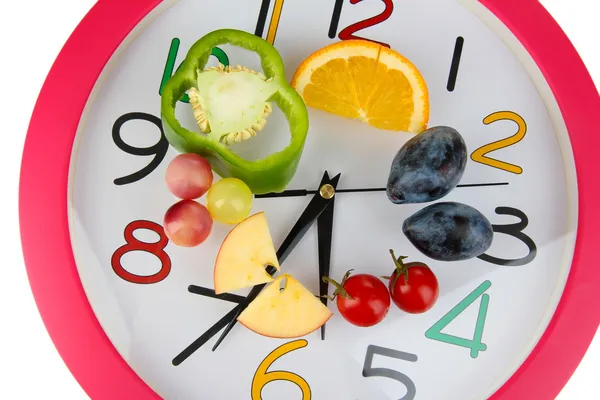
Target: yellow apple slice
288,313
245,253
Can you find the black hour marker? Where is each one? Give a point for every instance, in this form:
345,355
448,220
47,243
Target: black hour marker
202,291
262,17
460,41
335,19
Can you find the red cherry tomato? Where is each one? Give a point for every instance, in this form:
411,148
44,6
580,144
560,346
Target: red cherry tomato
368,302
413,286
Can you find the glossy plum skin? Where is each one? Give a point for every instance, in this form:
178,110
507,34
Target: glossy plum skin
449,231
427,167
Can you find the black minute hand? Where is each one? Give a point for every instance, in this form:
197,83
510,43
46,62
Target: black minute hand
314,209
312,212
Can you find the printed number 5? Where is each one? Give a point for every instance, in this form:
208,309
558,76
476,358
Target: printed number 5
262,377
368,369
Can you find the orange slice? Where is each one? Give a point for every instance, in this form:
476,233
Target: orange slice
366,81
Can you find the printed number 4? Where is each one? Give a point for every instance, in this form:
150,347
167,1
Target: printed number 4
475,344
368,369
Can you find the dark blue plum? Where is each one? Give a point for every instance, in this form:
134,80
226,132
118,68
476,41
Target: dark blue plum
449,231
427,167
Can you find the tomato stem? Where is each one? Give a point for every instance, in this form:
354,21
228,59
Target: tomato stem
339,287
401,268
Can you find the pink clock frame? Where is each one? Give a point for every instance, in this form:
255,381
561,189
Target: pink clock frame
62,302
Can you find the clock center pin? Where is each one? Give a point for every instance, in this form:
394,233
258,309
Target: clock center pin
327,191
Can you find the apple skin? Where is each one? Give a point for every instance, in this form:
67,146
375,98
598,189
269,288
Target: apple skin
295,336
283,314
244,255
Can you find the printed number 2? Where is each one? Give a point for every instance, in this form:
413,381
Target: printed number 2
170,64
262,377
480,156
348,33
132,244
368,369
435,332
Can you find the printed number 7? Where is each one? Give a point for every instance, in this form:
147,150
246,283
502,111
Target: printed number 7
368,369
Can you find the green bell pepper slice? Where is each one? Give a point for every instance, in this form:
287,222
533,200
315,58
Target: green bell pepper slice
269,174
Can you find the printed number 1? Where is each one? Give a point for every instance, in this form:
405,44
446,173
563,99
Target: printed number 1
475,344
170,65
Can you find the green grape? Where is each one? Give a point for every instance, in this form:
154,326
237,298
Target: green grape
229,201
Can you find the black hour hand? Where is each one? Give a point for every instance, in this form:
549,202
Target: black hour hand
325,232
314,209
318,205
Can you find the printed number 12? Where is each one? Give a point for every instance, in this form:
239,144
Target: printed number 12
170,64
349,32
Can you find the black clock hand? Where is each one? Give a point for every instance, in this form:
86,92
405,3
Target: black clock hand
317,205
314,209
213,330
325,231
305,192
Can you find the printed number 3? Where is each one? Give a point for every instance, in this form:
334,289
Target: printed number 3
262,377
368,369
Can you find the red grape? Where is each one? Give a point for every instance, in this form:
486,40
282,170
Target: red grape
187,223
189,176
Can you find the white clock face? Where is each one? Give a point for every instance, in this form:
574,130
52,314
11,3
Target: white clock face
490,313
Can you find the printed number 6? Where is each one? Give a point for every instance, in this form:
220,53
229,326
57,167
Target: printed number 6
368,370
262,377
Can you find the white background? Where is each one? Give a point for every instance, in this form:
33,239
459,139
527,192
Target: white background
31,35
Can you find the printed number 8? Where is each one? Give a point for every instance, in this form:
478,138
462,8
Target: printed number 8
262,377
157,248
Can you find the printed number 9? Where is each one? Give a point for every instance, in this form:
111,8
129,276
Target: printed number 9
158,150
262,377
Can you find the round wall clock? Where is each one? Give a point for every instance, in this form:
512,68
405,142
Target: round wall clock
309,199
